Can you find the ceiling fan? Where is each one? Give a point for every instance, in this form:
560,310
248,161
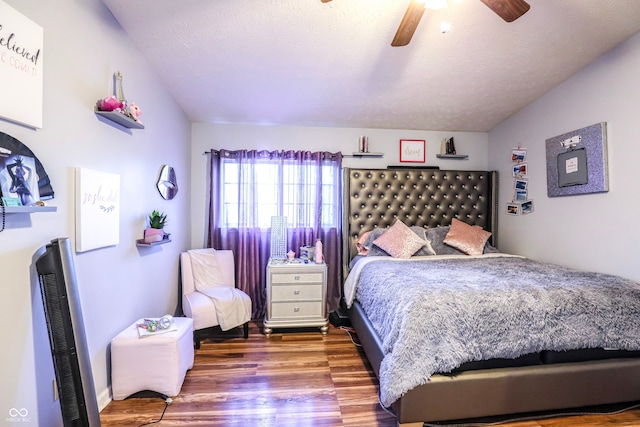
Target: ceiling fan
509,10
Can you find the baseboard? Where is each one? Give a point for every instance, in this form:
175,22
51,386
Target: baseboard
104,398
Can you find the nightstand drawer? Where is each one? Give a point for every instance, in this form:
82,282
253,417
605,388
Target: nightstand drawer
296,278
303,291
290,310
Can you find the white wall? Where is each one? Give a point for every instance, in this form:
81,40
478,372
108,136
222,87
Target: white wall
596,231
234,137
83,47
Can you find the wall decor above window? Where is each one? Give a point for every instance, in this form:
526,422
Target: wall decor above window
412,150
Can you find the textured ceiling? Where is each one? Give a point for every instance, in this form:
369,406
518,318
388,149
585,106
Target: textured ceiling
308,63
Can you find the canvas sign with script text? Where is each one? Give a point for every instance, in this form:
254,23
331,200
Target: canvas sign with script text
21,67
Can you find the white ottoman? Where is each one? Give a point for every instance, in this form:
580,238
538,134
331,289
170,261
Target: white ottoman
157,363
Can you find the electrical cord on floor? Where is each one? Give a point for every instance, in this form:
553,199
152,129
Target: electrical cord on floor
350,331
384,408
167,402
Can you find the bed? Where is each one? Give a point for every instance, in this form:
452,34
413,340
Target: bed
507,374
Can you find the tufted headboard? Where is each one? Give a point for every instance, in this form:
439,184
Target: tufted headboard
422,197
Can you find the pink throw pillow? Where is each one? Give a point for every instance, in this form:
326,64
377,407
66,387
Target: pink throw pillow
469,239
399,241
362,249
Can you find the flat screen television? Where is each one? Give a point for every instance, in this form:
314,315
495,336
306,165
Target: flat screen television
71,362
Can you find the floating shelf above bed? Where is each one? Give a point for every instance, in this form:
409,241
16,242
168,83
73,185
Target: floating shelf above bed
452,156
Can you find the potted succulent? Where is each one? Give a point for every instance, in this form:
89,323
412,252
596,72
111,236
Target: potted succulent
155,231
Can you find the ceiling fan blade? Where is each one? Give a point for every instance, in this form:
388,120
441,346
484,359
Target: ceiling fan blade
409,23
509,10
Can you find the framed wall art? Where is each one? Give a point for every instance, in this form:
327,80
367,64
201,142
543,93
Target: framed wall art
21,68
412,150
18,180
97,209
577,162
12,148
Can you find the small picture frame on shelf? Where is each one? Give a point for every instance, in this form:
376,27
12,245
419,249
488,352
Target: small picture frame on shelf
412,151
19,180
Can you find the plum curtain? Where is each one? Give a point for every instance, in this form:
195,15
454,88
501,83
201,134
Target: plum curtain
247,187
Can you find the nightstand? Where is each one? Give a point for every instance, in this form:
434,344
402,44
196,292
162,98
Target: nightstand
296,295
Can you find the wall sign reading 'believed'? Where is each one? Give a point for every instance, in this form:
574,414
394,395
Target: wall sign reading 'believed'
577,162
21,65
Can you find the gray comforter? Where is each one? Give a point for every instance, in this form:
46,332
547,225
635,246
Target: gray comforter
435,314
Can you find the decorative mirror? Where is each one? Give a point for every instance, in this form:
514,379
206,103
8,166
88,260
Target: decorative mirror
167,183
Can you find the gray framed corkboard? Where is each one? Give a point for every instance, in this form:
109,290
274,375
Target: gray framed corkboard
577,162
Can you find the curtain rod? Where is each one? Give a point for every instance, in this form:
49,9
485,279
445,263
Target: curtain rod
211,151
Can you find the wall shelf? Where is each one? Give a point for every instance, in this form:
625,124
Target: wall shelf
120,119
29,209
367,154
452,156
141,242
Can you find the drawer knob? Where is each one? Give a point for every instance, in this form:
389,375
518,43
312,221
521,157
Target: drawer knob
296,292
296,309
296,277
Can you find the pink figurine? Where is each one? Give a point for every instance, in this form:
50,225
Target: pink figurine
135,111
111,103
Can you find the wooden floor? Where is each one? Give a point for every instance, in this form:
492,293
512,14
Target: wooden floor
294,378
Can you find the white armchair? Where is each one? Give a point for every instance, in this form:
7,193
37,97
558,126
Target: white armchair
232,309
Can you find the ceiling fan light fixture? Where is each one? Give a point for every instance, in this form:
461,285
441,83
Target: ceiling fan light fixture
435,4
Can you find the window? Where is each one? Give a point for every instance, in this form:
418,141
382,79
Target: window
302,190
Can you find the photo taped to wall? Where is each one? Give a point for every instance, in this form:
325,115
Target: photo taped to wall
520,184
520,170
518,155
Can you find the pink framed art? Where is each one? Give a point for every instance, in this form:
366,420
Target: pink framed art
413,150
